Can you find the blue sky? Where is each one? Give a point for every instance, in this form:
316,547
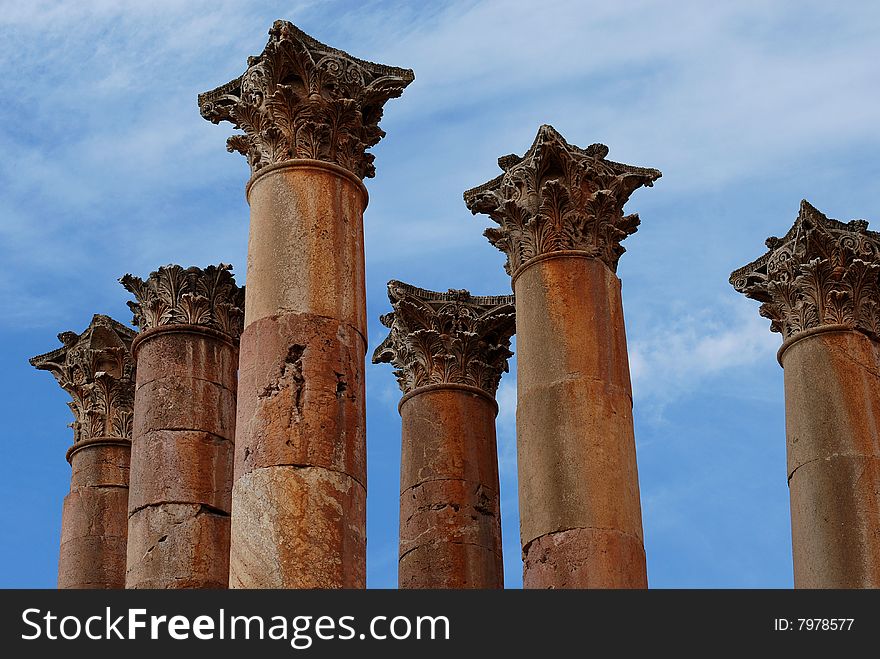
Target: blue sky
746,107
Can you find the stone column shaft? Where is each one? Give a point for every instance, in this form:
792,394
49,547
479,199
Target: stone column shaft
94,518
449,350
300,464
308,112
97,370
450,512
560,215
819,285
580,515
182,453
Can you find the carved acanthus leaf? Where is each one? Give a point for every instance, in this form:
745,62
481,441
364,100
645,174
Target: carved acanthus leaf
303,99
97,370
823,272
191,296
559,197
452,337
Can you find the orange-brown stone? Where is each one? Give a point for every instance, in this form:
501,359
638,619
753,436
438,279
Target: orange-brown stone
306,244
301,422
453,565
94,519
301,399
100,462
182,458
448,351
832,420
575,442
450,516
584,558
559,211
298,527
314,112
97,370
178,545
818,285
189,466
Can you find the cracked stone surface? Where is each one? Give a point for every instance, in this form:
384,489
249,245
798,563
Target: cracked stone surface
177,545
300,464
575,443
832,421
290,409
450,515
182,459
560,215
301,419
93,537
584,558
96,369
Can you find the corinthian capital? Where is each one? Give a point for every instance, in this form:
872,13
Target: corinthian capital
559,197
441,338
302,99
194,296
97,370
822,272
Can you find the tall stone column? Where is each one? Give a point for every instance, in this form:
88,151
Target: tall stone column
819,288
308,112
448,350
97,370
184,405
560,215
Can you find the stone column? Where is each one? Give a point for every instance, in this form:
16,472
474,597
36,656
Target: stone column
448,350
97,370
819,287
560,215
308,113
182,448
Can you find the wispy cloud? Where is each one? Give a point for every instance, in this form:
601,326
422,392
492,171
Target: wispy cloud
671,84
109,154
109,168
680,354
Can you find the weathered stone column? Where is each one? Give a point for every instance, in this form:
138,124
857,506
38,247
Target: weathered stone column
819,287
97,370
308,113
448,350
560,211
184,406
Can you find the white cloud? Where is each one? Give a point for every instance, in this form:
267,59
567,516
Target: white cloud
676,357
706,91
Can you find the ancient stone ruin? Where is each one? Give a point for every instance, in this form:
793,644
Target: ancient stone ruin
223,443
560,215
819,287
449,351
186,355
97,370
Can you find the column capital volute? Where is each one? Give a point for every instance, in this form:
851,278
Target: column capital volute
302,99
822,273
173,295
450,338
97,370
559,197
